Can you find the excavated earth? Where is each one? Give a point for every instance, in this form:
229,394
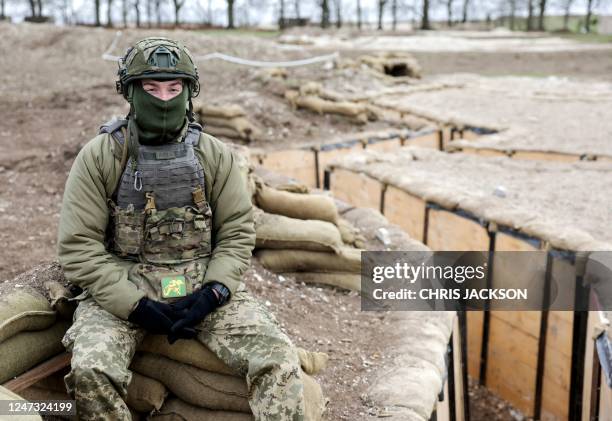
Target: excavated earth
55,91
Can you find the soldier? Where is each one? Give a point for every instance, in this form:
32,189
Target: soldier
157,228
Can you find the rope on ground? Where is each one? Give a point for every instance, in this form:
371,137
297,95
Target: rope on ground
256,63
107,54
237,60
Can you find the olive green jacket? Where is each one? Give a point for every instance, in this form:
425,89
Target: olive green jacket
85,215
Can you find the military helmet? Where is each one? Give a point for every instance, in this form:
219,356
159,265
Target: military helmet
157,58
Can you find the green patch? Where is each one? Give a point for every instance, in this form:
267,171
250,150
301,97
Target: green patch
173,286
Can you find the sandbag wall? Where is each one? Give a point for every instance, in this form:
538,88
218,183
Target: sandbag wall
459,141
531,155
535,360
301,232
30,331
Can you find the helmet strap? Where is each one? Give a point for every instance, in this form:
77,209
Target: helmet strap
190,113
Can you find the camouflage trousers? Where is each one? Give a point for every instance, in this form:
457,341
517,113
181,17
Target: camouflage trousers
243,333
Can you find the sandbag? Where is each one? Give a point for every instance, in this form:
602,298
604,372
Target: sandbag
345,280
145,394
222,131
26,349
281,232
188,352
22,310
6,395
223,111
193,385
296,205
176,410
350,234
346,260
314,402
312,362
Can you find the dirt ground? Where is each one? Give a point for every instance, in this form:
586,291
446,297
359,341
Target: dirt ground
57,91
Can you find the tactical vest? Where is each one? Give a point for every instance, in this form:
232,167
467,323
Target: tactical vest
159,213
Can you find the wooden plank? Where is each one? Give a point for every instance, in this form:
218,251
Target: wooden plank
327,156
429,140
528,322
451,232
385,145
564,283
483,151
356,188
589,353
557,367
512,362
470,135
559,334
295,163
555,400
406,211
442,407
460,388
508,274
506,242
475,325
39,372
545,156
605,400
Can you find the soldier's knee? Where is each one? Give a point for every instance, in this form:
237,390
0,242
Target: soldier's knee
281,359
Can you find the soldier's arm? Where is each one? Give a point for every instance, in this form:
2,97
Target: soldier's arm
233,231
82,227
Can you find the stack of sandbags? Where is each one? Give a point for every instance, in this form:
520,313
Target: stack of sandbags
202,387
145,394
228,121
29,331
312,96
302,232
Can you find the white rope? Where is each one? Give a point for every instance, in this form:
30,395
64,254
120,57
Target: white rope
256,63
237,60
107,54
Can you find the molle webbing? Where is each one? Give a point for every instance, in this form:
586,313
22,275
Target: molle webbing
171,171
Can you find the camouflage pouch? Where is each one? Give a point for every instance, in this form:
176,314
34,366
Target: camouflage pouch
167,284
127,233
177,235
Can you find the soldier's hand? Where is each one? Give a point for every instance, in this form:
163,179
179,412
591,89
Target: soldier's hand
153,316
193,309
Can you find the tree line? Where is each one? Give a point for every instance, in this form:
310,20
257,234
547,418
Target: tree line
330,13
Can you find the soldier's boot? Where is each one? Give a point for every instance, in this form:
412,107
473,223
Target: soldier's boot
102,347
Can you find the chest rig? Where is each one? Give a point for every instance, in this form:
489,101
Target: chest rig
159,213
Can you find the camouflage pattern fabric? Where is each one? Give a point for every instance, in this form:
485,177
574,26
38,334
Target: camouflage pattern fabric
102,346
243,333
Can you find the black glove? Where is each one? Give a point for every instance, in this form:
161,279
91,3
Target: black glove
157,318
192,310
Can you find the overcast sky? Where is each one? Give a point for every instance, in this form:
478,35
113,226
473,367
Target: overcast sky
266,11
